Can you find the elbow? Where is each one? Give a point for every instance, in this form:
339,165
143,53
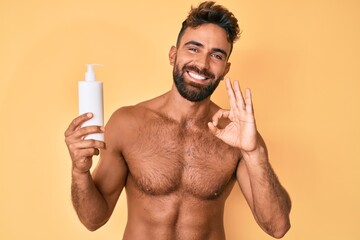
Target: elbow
93,222
92,226
280,230
277,228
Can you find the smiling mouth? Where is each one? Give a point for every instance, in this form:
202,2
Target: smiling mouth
196,76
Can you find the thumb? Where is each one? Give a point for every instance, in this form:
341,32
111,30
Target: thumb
213,129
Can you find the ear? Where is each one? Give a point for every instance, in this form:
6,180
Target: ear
172,55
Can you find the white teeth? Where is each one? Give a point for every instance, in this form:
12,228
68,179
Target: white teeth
196,76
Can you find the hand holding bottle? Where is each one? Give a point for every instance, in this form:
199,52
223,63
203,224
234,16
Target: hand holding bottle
82,150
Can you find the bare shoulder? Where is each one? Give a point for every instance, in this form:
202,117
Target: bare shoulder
125,113
126,121
125,118
132,114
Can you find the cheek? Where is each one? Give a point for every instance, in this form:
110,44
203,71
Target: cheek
185,57
219,69
180,63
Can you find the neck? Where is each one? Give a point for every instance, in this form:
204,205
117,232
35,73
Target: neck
181,109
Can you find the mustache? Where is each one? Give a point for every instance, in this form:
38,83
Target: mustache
203,72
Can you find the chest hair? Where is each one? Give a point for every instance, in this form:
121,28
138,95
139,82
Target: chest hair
169,157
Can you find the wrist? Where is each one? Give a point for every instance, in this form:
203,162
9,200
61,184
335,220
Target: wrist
259,154
78,173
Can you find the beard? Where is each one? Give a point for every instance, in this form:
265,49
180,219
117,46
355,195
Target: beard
192,91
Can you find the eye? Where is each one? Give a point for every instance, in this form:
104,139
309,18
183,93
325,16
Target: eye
193,49
217,56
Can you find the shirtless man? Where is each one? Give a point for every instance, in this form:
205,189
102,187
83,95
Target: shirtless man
179,155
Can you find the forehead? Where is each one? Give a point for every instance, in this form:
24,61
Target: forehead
208,34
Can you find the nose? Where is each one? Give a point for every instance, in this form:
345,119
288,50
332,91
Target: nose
202,61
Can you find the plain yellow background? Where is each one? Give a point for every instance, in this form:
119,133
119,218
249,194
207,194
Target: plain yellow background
300,58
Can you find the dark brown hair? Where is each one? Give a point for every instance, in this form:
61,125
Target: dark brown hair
209,12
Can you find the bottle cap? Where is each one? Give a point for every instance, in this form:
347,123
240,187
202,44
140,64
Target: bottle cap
90,74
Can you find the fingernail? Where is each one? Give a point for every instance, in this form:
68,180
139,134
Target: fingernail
89,114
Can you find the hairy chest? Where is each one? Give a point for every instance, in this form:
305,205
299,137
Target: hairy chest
167,157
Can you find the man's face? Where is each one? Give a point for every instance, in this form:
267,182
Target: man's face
200,61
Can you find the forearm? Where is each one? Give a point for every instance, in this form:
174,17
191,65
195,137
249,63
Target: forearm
88,202
271,202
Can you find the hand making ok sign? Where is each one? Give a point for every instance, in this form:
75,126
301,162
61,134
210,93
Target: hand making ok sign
241,132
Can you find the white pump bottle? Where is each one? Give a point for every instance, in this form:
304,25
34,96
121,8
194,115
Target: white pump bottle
91,100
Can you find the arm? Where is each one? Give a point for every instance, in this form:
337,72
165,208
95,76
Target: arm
94,196
266,197
268,200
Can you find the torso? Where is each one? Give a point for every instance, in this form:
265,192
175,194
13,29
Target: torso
179,178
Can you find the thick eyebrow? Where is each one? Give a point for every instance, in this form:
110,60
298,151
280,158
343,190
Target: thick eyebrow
202,45
194,43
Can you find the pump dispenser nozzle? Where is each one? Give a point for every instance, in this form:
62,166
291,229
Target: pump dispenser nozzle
90,74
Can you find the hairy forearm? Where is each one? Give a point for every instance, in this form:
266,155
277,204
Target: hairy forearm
271,202
88,202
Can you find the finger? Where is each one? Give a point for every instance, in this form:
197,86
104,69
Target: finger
216,117
212,128
80,151
231,94
90,143
238,95
83,154
76,123
219,114
79,134
248,101
84,131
